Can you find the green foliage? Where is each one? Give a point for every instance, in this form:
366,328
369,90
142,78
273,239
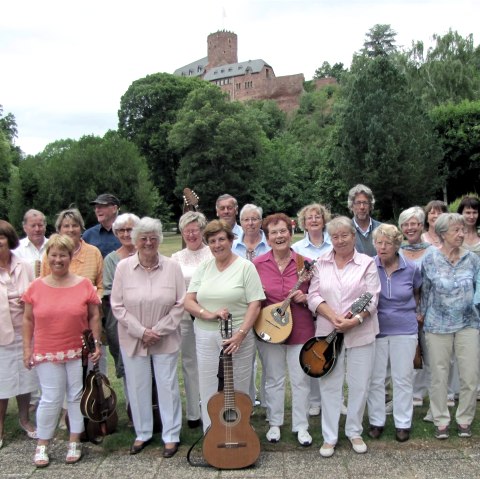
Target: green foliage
458,127
327,71
5,170
380,41
148,110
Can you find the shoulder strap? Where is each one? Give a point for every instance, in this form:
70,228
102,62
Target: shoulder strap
300,262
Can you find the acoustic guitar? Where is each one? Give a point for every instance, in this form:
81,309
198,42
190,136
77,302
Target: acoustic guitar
230,442
274,323
319,354
98,402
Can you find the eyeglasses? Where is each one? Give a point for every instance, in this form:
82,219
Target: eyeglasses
124,230
283,231
410,225
250,220
151,239
191,232
316,218
361,203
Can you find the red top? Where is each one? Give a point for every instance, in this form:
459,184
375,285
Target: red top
60,316
277,285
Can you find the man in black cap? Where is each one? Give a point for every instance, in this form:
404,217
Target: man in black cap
101,235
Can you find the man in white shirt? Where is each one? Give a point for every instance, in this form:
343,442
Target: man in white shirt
32,247
227,210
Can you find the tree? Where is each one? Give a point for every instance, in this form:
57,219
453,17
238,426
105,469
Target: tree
327,71
384,138
380,41
5,171
8,126
148,110
218,142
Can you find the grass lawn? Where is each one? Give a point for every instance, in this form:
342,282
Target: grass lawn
125,436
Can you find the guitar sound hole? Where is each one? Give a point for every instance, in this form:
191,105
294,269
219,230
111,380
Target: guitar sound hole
230,415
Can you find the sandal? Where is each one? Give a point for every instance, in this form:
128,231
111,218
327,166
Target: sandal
41,458
74,452
30,434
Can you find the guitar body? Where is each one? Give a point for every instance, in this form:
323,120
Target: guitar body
90,404
274,325
319,354
230,442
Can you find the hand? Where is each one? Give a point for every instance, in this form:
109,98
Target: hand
233,344
150,337
420,318
28,359
343,324
95,357
300,297
222,313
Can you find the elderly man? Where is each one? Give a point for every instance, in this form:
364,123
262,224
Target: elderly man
227,209
101,235
361,203
32,247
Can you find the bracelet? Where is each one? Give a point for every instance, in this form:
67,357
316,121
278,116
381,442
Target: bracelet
200,313
97,341
359,318
243,332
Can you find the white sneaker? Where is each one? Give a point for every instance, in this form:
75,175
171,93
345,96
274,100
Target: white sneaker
273,434
314,411
304,437
417,402
358,445
450,401
327,450
428,417
343,411
389,408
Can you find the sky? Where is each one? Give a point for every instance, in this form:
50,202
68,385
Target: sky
65,64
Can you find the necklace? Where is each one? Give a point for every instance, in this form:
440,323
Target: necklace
282,263
148,268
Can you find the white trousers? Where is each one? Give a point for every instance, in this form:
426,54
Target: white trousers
400,351
209,345
57,381
139,381
358,364
277,360
190,368
465,345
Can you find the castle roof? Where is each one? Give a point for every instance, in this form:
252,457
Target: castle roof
235,69
193,69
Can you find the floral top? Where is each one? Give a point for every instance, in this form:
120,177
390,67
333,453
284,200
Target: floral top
448,291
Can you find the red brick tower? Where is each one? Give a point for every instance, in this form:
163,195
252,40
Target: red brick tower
222,49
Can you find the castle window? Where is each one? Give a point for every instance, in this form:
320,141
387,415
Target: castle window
248,84
199,68
238,86
267,72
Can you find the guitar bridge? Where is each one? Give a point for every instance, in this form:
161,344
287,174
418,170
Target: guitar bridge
231,445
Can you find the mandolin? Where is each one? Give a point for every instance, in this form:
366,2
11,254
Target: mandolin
319,354
274,323
98,402
190,200
230,442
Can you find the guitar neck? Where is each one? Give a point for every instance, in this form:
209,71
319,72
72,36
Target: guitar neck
228,386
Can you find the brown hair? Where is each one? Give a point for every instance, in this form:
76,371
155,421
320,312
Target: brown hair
217,226
274,220
7,230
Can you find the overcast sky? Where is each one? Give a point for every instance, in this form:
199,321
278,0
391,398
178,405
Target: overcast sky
65,64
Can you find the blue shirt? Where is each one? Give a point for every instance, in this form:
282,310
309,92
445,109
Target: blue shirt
448,292
396,305
240,249
103,239
306,248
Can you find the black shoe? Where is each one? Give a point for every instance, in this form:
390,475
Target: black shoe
193,424
135,449
170,451
375,432
402,435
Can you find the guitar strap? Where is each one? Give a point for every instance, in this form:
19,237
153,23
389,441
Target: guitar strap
220,374
300,263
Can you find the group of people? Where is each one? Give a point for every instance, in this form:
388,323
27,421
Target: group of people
421,279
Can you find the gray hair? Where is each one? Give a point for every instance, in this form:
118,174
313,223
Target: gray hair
226,196
445,220
413,212
340,222
147,225
122,220
71,214
358,189
191,217
322,210
391,232
251,207
33,213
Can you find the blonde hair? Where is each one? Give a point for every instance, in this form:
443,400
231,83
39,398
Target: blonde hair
391,232
60,242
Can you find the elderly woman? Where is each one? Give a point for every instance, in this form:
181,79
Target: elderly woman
469,208
223,285
339,278
15,381
279,272
58,308
432,211
451,320
397,340
147,300
414,249
252,242
191,226
312,219
122,229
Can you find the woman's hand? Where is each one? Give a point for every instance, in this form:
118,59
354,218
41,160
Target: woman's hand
28,358
95,357
420,319
150,337
300,297
343,324
233,344
221,314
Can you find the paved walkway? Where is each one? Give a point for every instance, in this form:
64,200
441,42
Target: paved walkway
415,459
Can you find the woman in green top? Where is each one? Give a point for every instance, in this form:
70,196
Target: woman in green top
223,285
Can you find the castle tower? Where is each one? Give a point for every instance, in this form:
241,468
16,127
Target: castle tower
222,49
